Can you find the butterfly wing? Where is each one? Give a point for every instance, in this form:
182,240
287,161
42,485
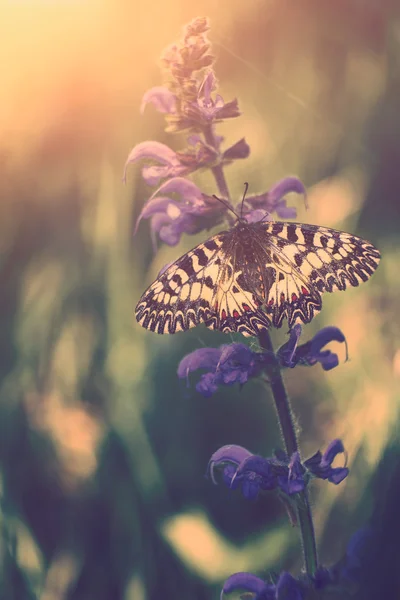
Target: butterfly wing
181,297
306,260
200,288
246,279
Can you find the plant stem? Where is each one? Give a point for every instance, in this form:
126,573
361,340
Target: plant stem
217,171
283,408
285,417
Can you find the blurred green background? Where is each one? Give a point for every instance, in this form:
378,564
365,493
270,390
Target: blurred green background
103,451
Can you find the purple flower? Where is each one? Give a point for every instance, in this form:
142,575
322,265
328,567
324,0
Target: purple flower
161,98
167,162
239,150
237,363
294,480
253,474
190,100
249,472
308,354
229,458
249,583
171,218
226,365
195,211
286,588
184,60
273,200
206,110
320,465
198,154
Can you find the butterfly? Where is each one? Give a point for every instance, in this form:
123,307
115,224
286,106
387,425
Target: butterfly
255,275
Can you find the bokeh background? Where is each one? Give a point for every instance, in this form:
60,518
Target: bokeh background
103,451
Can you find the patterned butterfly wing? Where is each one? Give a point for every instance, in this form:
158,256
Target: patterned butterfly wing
306,260
200,287
255,275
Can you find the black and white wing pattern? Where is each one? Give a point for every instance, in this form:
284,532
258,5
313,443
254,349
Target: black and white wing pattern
200,288
254,276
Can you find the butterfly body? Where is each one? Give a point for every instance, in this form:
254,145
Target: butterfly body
255,275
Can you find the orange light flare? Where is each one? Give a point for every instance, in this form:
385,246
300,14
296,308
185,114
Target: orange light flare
79,67
75,433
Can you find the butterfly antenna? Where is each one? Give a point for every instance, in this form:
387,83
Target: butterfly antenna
228,206
246,187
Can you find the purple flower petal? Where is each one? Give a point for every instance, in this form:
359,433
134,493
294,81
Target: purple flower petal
162,98
152,151
335,447
309,353
195,139
296,481
202,358
338,474
238,362
324,336
229,364
320,465
183,187
285,186
257,215
233,376
285,212
230,110
171,223
239,150
154,206
207,86
228,474
313,461
230,453
219,101
250,489
152,174
258,200
208,385
237,352
188,221
244,581
273,200
170,233
329,360
255,464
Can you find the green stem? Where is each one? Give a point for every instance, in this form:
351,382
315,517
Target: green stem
283,408
286,421
217,171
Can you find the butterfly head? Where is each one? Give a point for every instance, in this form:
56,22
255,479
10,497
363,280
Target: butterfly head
242,224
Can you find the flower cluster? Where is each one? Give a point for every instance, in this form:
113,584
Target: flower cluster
237,363
360,553
286,587
190,103
226,365
253,474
